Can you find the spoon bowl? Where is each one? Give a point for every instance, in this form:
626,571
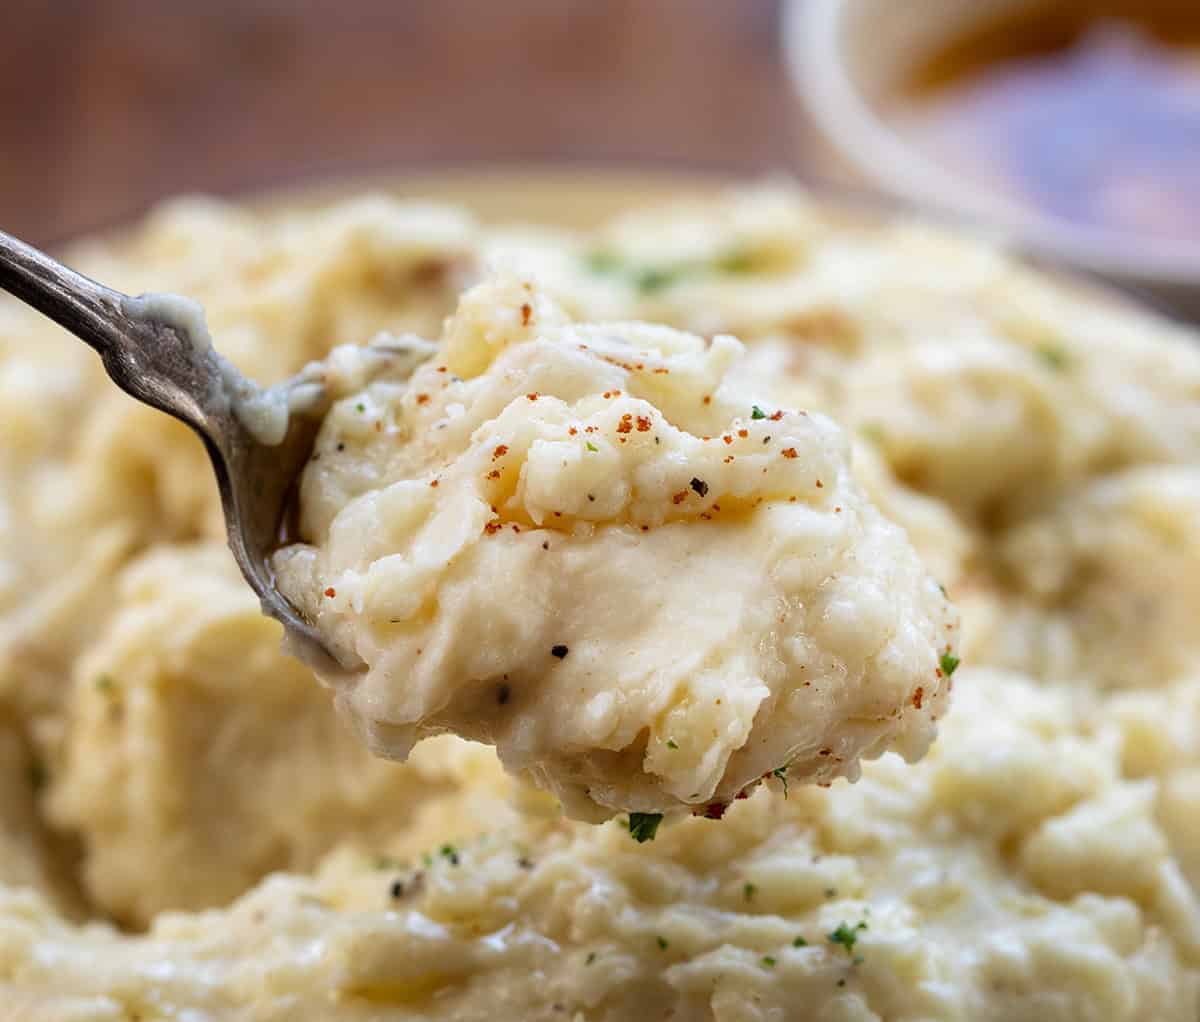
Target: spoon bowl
156,348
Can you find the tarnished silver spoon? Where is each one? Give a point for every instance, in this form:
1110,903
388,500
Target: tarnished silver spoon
157,349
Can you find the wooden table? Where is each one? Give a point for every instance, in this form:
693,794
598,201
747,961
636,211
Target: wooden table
108,105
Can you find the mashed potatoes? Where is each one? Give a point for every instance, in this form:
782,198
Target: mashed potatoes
695,593
167,769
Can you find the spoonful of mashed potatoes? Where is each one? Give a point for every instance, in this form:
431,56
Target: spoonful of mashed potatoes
584,543
587,545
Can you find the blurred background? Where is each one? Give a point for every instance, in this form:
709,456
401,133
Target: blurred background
106,105
1073,126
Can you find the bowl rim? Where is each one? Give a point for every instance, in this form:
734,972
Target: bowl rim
610,190
811,30
434,181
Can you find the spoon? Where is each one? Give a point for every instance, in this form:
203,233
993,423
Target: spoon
157,349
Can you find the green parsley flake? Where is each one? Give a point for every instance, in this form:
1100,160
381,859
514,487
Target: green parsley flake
949,662
780,773
1053,356
662,943
748,891
643,826
104,683
590,958
37,775
591,446
450,854
735,261
874,432
768,961
671,744
360,407
652,279
799,942
847,935
757,413
603,261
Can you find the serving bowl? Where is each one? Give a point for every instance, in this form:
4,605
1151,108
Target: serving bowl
846,57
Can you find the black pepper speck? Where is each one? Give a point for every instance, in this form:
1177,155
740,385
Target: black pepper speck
559,651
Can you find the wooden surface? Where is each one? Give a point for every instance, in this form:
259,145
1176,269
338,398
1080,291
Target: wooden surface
106,105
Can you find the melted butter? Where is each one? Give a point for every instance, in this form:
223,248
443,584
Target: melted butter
1089,114
266,412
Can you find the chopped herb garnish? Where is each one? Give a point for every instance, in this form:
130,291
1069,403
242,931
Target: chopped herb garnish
1053,356
671,744
643,826
590,958
105,683
830,892
847,935
799,942
652,279
948,662
841,982
737,261
37,775
748,891
649,279
757,413
398,889
780,773
559,651
591,446
874,432
662,943
450,853
601,260
700,486
427,859
768,961
360,407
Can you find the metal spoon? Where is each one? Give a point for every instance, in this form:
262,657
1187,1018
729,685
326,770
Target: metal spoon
158,358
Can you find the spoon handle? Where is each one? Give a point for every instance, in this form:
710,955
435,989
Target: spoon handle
89,310
164,357
153,360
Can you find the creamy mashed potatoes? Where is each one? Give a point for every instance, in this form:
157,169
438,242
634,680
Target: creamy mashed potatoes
167,769
581,543
185,697
920,892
